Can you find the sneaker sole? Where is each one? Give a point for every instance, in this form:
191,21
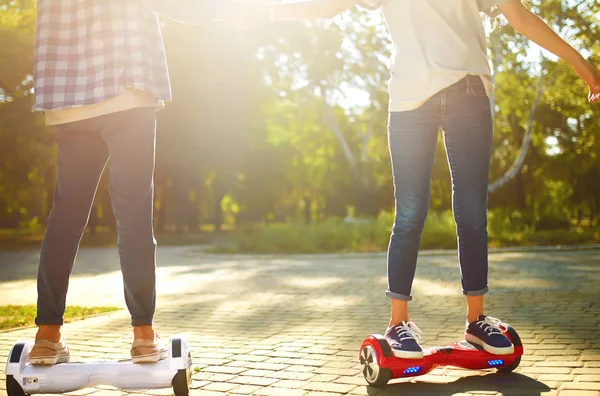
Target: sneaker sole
407,354
49,360
488,348
151,358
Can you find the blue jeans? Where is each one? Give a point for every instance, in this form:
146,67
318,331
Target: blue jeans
463,113
84,148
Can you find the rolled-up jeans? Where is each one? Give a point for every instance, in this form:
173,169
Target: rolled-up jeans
84,147
462,112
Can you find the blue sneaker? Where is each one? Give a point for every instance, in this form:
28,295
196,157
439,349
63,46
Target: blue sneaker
403,340
485,332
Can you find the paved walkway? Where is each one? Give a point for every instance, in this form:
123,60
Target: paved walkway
293,325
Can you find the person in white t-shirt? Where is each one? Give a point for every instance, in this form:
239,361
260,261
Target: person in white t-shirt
440,79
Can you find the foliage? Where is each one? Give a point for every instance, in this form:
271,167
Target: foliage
287,123
344,236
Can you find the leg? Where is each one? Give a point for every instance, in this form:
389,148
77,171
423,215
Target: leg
131,137
412,142
474,307
82,156
399,312
468,138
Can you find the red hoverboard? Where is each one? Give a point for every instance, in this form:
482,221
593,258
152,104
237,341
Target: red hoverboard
379,364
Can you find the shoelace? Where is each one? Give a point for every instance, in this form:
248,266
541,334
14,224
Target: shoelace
491,325
408,331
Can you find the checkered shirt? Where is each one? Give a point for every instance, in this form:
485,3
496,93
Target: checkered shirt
88,51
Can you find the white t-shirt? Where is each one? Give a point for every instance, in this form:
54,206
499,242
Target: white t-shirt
436,43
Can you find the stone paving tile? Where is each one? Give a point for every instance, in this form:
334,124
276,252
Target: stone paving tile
292,325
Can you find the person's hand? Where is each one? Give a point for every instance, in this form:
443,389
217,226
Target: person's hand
591,76
594,95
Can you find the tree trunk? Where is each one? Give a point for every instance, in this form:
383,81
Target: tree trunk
92,224
161,218
520,160
108,215
520,192
329,118
49,202
307,209
219,211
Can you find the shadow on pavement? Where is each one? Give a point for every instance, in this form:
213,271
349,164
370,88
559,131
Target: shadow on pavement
505,384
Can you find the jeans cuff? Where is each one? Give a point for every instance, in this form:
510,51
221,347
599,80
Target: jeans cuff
397,296
476,292
49,321
142,321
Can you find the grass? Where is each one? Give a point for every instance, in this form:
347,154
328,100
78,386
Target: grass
14,316
337,236
334,235
12,240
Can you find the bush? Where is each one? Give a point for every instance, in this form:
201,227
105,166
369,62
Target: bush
507,227
563,237
337,235
439,231
502,220
551,223
332,235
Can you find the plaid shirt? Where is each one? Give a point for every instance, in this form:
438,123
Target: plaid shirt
88,51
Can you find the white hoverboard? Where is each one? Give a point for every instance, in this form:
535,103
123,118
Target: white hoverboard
24,379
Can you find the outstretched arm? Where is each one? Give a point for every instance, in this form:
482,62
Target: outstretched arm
531,26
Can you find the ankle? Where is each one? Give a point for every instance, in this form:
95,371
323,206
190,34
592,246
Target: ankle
399,312
473,317
475,308
397,321
48,333
143,332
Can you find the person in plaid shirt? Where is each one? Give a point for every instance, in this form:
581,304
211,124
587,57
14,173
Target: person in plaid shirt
100,75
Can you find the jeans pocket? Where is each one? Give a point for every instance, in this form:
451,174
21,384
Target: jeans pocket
475,87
